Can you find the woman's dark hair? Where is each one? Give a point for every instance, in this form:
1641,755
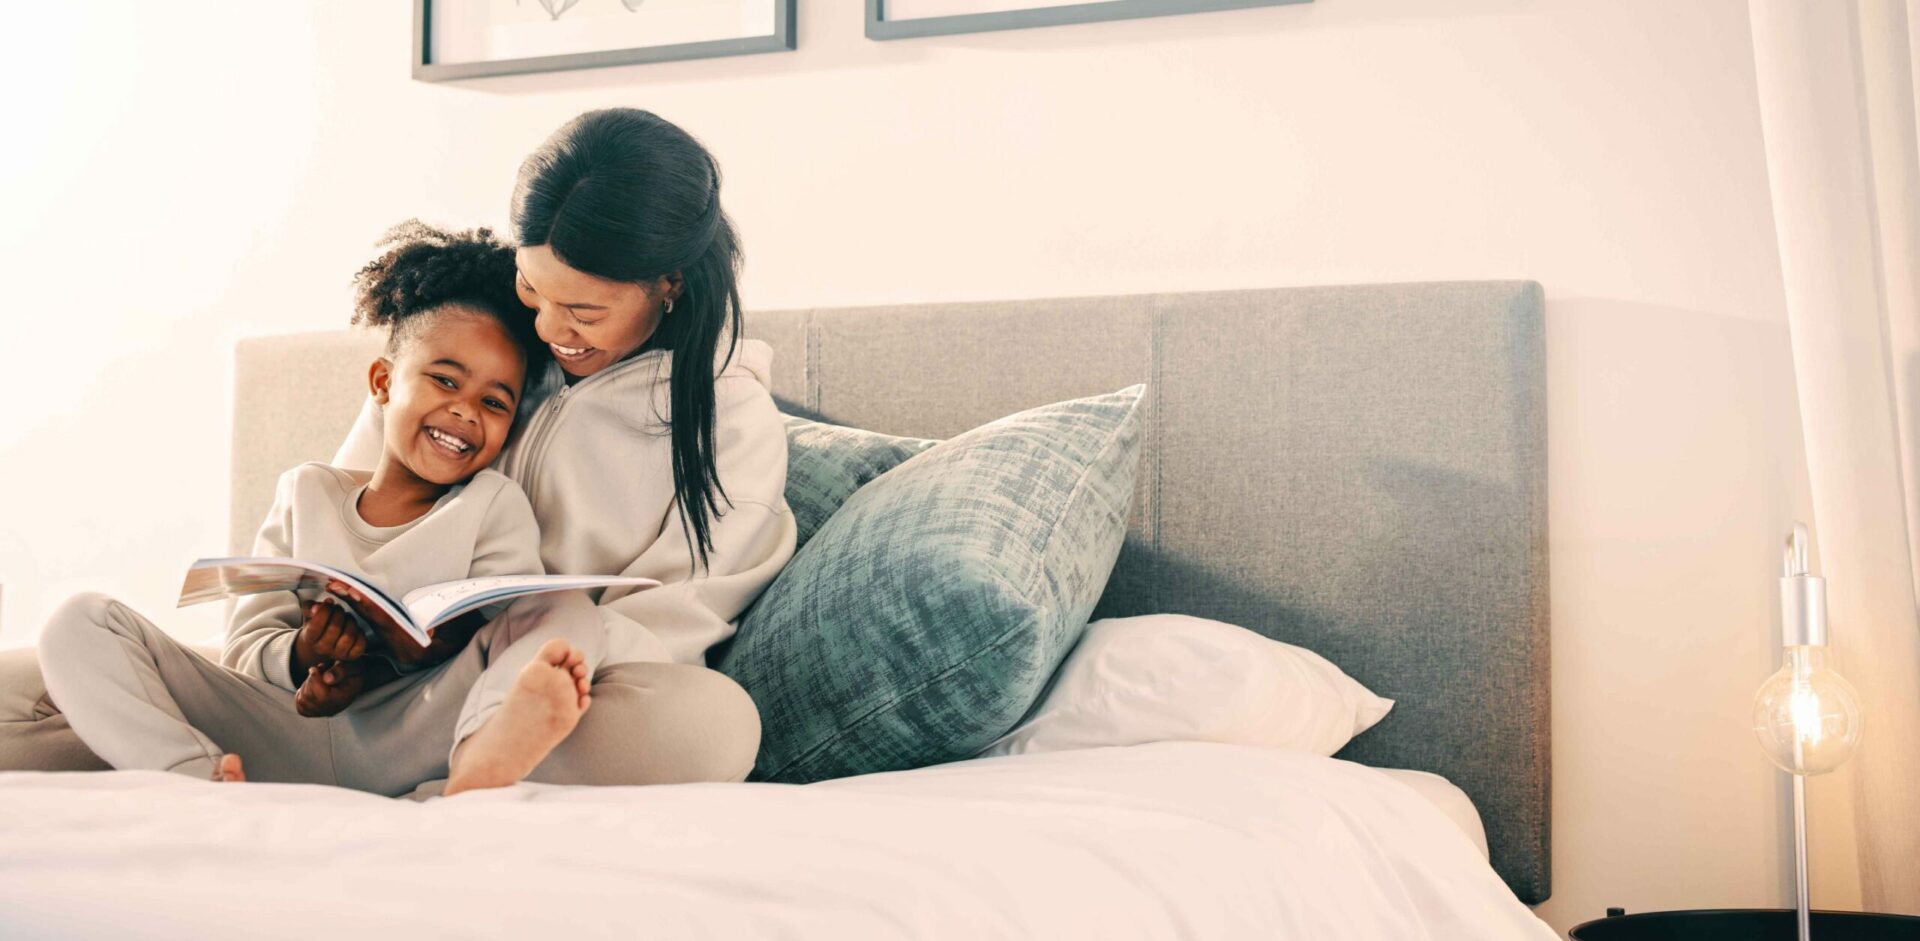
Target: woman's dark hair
625,195
424,270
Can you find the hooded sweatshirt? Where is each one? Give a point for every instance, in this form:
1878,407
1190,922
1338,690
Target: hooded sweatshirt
596,462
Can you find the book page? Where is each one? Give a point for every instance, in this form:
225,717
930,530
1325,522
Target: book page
434,605
248,578
213,579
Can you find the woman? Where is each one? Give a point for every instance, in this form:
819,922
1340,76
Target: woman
635,464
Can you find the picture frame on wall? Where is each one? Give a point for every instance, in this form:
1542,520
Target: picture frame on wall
906,19
456,39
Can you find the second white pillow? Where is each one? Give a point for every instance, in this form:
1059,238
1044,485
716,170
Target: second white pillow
1171,677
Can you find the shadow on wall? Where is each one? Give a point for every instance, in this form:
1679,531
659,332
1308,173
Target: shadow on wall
1910,412
1675,465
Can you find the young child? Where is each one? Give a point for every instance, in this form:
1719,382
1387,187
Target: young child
449,382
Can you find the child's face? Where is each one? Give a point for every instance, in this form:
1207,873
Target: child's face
449,396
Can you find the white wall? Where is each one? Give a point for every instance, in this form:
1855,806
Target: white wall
184,173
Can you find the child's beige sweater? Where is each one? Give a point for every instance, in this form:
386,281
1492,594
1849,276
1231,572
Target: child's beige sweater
483,527
596,462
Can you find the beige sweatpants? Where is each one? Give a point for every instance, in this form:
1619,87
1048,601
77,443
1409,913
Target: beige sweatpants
141,699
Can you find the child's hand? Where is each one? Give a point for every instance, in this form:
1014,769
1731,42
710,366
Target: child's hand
329,688
405,650
328,634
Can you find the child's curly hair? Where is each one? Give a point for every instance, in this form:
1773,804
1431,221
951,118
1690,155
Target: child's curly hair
425,269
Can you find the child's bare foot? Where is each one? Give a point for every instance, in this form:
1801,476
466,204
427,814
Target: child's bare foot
228,770
540,711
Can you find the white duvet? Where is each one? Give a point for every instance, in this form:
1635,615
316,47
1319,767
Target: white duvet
1176,840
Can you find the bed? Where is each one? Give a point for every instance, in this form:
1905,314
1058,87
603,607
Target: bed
1358,470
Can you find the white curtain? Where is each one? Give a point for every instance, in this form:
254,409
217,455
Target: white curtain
1837,93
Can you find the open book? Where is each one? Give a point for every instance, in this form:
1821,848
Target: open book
422,610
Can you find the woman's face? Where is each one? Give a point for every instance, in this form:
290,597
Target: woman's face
589,322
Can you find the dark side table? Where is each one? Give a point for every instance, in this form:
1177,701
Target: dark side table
1745,924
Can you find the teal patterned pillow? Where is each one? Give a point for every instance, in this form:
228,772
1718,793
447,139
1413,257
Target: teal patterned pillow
924,617
827,463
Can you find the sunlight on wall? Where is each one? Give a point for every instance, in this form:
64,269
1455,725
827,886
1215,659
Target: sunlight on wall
165,144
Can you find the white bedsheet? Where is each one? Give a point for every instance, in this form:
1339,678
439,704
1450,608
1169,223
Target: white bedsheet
1449,799
1176,840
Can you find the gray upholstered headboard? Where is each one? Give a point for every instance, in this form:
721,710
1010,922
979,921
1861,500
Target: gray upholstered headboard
1359,470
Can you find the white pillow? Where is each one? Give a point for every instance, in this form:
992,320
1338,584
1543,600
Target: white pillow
1170,677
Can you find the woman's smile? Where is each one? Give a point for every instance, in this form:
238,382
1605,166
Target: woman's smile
588,322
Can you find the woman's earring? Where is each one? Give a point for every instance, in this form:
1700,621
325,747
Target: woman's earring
669,305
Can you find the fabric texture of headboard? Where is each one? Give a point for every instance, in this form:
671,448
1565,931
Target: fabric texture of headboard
1358,470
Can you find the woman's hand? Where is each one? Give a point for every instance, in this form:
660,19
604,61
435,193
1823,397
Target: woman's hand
328,634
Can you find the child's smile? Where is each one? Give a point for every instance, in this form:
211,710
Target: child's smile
446,455
455,445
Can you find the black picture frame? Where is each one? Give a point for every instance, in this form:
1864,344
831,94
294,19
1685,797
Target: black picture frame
879,27
783,39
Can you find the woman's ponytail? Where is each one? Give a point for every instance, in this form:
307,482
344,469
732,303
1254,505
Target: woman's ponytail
625,195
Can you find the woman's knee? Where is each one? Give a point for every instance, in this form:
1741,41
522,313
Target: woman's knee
731,720
698,724
659,723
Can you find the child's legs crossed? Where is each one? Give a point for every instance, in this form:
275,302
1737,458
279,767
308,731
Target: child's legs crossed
142,700
398,735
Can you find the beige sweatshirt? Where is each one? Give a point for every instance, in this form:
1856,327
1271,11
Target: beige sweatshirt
596,462
483,527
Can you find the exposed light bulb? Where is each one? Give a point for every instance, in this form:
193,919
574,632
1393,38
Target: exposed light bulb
1807,716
